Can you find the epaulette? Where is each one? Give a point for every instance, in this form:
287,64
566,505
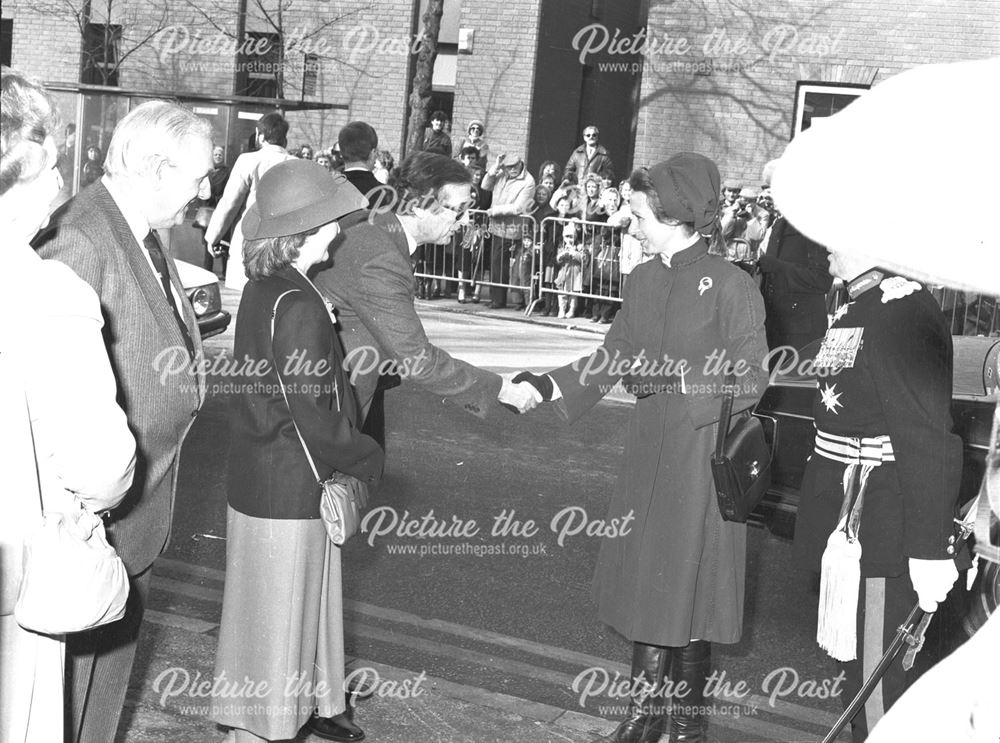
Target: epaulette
897,287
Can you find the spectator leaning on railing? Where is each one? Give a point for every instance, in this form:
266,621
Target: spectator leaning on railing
513,190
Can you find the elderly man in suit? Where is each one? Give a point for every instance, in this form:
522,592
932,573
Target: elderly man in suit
371,285
158,161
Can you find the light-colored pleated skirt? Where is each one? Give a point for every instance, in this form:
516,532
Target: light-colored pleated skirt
31,684
281,642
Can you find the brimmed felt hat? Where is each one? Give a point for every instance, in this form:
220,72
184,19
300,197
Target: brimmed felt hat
731,184
687,185
297,196
749,192
931,124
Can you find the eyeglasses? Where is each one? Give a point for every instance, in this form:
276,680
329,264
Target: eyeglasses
475,128
590,135
458,212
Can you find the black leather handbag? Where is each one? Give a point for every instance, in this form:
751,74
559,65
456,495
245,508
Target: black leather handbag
741,463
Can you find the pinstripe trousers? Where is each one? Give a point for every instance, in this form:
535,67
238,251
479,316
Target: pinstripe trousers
883,605
98,666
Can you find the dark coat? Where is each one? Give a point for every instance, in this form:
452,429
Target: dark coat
795,278
370,187
900,386
92,237
269,475
371,284
679,573
579,164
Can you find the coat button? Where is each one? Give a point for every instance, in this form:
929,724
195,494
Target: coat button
951,539
194,413
950,550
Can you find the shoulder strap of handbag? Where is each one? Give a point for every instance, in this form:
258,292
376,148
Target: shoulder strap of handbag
34,452
281,384
726,415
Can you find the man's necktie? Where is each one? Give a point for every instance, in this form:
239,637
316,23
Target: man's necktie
152,243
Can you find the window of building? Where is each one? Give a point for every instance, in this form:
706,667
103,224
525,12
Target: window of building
260,56
6,40
819,100
101,49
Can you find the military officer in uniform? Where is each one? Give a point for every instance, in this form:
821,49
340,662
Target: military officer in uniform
879,492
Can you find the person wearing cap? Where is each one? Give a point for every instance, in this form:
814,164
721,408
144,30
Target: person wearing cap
513,190
730,191
241,188
476,138
880,491
282,607
673,582
371,283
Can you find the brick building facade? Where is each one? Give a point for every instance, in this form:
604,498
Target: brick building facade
717,76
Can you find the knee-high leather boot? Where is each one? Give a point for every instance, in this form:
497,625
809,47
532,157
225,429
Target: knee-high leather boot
647,716
691,665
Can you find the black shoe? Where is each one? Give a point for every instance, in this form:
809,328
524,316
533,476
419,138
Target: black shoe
338,728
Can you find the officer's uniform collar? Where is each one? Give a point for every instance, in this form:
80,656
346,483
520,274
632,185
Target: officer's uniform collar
868,280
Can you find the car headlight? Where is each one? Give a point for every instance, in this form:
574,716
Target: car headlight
201,300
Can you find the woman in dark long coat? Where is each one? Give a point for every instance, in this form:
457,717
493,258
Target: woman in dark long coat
282,619
674,583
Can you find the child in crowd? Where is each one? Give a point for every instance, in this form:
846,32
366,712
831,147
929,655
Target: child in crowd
572,261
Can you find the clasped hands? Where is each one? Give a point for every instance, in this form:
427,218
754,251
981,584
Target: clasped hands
522,392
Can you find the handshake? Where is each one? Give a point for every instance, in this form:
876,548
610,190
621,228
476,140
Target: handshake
523,392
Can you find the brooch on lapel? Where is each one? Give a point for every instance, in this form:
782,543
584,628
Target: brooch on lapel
704,285
331,310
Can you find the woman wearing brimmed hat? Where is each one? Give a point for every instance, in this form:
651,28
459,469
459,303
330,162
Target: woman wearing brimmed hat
674,582
282,624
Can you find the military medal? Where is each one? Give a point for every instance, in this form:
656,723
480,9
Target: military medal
840,348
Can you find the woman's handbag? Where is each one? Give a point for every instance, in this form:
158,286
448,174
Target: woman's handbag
741,463
342,497
72,579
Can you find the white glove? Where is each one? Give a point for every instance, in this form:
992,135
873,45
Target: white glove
522,396
932,579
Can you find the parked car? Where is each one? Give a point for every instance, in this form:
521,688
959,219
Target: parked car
202,288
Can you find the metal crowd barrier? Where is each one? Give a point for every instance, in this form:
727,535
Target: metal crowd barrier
480,255
489,251
584,270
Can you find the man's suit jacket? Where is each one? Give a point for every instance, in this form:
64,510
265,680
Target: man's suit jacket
143,339
371,284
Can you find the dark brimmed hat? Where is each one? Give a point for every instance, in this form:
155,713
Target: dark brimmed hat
687,185
297,196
